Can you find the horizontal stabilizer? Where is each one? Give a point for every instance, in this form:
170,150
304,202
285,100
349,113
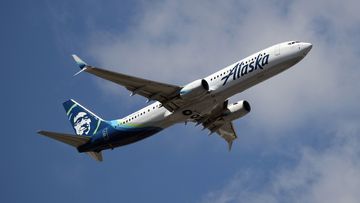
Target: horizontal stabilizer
95,155
73,140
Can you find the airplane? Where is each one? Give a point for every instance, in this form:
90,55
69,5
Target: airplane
203,101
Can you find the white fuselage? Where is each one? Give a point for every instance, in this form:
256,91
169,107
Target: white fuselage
223,84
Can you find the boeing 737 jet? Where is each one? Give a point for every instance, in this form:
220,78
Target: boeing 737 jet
203,101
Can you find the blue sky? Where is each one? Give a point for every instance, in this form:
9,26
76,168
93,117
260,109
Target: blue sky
299,143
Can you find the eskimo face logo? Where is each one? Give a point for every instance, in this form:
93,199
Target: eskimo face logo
82,123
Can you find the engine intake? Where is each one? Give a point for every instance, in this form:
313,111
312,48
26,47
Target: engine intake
236,110
194,89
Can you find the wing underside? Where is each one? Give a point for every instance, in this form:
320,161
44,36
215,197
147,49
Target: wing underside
164,93
227,132
167,94
215,123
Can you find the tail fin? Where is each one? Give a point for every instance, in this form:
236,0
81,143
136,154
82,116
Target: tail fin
84,122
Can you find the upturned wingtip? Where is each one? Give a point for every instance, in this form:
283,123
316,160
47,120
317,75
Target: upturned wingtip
79,62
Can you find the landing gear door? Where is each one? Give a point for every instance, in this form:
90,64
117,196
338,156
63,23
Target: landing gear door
276,50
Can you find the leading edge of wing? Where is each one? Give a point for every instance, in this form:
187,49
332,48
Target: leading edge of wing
150,89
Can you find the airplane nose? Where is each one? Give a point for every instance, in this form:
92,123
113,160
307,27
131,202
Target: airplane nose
307,47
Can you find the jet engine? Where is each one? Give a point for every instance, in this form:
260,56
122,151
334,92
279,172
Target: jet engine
236,110
194,89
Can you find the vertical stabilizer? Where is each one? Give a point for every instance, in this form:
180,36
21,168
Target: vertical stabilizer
84,122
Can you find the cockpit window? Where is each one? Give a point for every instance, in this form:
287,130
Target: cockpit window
293,42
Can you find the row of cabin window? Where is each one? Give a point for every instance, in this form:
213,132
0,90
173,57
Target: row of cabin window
211,79
140,114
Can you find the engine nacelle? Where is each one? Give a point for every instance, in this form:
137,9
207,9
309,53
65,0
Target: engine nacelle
236,110
194,89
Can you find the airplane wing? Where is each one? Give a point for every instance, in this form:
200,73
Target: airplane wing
152,90
224,130
227,132
215,123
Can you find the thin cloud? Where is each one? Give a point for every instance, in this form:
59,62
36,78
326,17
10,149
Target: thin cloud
330,175
177,42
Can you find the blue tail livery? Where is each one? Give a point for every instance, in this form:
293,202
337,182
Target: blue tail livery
83,121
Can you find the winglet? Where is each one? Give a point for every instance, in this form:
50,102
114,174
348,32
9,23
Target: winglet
80,62
82,65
